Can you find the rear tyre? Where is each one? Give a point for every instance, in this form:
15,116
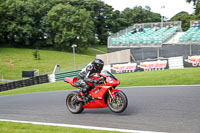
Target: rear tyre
73,106
119,104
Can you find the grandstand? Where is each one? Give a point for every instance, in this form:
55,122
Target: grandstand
148,38
164,42
192,34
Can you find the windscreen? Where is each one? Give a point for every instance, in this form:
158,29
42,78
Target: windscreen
108,74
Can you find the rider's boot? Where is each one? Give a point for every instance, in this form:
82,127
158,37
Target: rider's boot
90,98
85,97
81,97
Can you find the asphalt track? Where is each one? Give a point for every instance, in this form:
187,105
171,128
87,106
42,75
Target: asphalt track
161,109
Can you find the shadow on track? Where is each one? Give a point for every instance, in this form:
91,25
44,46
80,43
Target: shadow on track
129,111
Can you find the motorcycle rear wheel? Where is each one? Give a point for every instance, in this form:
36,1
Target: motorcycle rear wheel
74,108
119,104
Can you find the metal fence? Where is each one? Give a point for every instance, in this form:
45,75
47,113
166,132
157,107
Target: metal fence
165,51
61,76
77,67
145,25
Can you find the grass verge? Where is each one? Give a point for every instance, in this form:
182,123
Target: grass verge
101,47
24,60
187,76
60,85
14,127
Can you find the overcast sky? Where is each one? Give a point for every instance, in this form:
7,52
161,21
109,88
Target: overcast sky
172,7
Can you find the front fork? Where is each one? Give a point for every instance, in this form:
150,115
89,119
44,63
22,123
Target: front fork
111,95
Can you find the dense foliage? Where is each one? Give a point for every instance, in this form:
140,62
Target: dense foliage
185,17
61,23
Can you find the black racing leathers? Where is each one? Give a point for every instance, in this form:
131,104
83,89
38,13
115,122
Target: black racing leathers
83,77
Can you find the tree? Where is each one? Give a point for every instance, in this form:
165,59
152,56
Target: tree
69,25
60,23
116,23
196,4
20,22
184,17
194,1
101,14
197,9
139,15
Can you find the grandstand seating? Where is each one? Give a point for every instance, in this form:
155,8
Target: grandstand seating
149,36
193,34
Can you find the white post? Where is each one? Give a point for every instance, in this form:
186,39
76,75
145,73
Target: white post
158,49
162,16
73,46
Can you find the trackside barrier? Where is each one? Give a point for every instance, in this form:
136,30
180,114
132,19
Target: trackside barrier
61,76
175,62
170,63
153,65
192,61
23,83
139,66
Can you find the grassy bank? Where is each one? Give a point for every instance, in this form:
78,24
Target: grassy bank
24,60
187,76
61,85
101,47
13,127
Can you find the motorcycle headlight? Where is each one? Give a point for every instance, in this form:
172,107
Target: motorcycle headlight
110,81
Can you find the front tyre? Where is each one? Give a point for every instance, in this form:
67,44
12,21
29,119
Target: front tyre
73,106
119,104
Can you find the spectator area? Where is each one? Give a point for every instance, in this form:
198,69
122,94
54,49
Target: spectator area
192,34
147,37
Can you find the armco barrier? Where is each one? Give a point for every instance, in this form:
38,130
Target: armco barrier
22,83
61,76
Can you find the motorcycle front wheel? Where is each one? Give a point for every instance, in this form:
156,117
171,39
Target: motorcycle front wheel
119,104
73,106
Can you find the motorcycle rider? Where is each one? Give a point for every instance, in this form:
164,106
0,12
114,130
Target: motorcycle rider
91,69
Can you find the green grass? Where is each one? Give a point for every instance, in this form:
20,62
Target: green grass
89,52
101,47
2,82
187,76
23,60
60,85
14,127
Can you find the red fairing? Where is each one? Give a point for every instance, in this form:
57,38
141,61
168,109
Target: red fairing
98,93
112,82
96,104
71,80
113,93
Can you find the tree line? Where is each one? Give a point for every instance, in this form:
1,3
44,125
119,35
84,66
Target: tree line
61,23
185,17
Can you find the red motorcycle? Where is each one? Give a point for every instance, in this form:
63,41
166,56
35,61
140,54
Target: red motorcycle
101,95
